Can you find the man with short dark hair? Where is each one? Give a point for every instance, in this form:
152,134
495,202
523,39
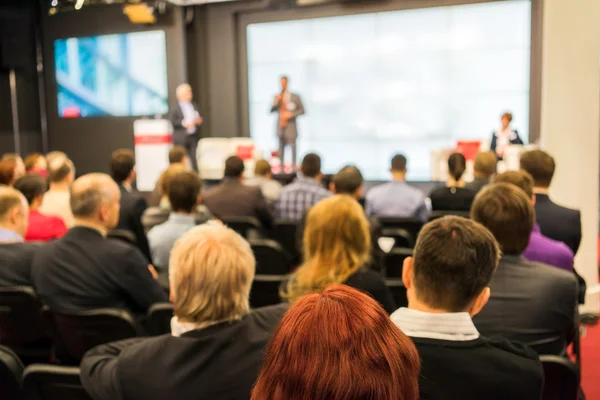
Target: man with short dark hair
306,190
16,256
178,155
184,196
84,270
348,180
396,198
234,199
133,204
447,284
263,178
540,248
531,302
483,169
556,222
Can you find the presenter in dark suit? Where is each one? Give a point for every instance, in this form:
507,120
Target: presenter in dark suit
504,137
289,106
186,120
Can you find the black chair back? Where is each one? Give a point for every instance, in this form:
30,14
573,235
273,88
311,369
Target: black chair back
51,382
404,230
159,317
20,316
247,227
271,259
439,214
398,291
284,232
402,238
77,332
265,290
122,235
393,262
561,378
11,371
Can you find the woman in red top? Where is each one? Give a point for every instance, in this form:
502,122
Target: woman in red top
42,228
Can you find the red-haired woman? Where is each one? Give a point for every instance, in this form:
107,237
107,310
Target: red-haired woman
10,171
338,344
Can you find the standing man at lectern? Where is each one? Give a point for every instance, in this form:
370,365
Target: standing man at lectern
289,106
186,119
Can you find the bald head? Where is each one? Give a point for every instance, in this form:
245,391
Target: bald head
13,210
95,197
184,92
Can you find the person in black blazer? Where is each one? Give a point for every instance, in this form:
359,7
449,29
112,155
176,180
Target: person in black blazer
216,344
234,199
186,120
84,270
556,222
504,137
133,204
453,197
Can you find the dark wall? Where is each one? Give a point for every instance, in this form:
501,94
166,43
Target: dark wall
90,141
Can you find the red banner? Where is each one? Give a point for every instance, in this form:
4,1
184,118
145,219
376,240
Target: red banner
153,139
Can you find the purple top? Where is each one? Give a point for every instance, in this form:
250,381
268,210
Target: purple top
548,251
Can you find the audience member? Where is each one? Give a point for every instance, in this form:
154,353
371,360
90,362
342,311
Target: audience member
61,173
215,350
178,156
446,282
42,228
337,345
540,248
133,204
337,249
16,256
184,195
484,168
306,190
396,198
556,222
453,197
10,171
234,199
531,302
263,179
36,163
84,270
51,156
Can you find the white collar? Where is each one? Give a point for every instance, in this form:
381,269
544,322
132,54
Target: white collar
179,328
446,326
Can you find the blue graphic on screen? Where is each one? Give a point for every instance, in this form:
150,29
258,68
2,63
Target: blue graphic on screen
112,75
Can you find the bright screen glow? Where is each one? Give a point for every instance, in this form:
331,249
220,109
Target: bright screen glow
406,81
112,75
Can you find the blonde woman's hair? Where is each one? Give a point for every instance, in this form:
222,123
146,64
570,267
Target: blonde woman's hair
211,271
337,242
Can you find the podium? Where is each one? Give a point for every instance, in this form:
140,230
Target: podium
153,138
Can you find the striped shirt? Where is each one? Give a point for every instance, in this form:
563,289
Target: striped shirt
296,198
441,326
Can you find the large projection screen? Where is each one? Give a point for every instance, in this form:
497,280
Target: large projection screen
406,81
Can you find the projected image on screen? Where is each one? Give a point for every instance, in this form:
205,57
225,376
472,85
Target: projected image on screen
112,75
402,81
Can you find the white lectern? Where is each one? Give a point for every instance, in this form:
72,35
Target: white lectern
153,139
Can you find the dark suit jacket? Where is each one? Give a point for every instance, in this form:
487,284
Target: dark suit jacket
234,199
477,184
176,118
515,140
218,362
532,303
557,222
452,199
85,271
133,206
15,263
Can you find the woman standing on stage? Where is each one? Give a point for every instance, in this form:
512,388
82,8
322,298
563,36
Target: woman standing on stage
506,136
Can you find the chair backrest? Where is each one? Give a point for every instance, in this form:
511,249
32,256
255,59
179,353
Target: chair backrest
20,316
11,371
271,259
393,261
412,226
402,238
159,317
561,378
265,290
51,382
77,332
442,213
398,291
284,232
246,226
123,235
